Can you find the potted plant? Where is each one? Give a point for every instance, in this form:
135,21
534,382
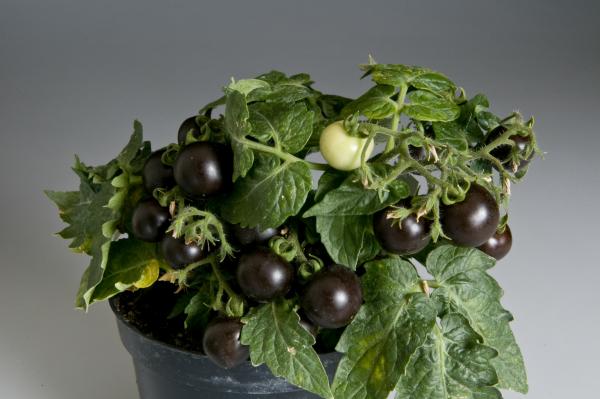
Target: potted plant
219,254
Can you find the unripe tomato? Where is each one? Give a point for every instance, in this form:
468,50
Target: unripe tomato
340,150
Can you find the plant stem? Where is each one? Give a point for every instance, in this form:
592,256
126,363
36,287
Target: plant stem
281,154
396,118
432,283
226,287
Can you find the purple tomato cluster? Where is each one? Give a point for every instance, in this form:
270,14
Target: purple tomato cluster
329,299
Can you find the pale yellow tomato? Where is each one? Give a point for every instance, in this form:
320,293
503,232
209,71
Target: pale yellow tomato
340,150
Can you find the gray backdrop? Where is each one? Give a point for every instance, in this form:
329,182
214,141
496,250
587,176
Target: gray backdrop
74,74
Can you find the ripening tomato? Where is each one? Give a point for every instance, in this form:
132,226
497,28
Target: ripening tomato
340,150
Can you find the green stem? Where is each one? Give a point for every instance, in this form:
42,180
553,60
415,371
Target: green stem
433,283
205,261
503,139
222,282
281,154
396,118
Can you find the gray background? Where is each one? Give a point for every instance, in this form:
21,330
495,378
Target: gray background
73,75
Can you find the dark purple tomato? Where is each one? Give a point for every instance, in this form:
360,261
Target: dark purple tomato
263,275
407,237
332,297
178,254
156,174
503,152
417,153
150,221
221,342
203,169
186,126
252,235
498,245
473,221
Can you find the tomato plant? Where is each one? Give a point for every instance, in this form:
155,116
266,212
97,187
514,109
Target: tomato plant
272,267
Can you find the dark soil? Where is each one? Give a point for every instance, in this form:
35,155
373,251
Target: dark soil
148,310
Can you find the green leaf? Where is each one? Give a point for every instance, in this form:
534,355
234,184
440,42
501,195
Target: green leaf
331,105
276,338
246,86
393,74
426,106
94,213
453,364
127,260
236,126
85,212
270,193
329,180
351,198
435,83
128,154
466,288
374,104
290,126
282,88
452,134
349,239
390,327
198,310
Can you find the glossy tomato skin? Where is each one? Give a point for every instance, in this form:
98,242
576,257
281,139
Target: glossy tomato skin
332,297
178,254
503,152
150,221
221,342
340,150
407,237
263,275
473,221
252,235
186,126
498,245
156,174
203,169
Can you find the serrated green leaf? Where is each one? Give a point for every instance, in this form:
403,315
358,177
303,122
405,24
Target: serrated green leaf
468,118
390,327
128,153
453,364
351,198
276,338
349,239
236,126
435,83
376,103
452,134
246,86
393,74
290,126
127,260
426,106
329,180
198,310
270,193
94,213
331,106
85,212
466,288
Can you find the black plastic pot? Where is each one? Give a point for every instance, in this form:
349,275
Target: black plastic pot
166,372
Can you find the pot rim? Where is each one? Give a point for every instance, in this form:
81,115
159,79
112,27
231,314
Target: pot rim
174,348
